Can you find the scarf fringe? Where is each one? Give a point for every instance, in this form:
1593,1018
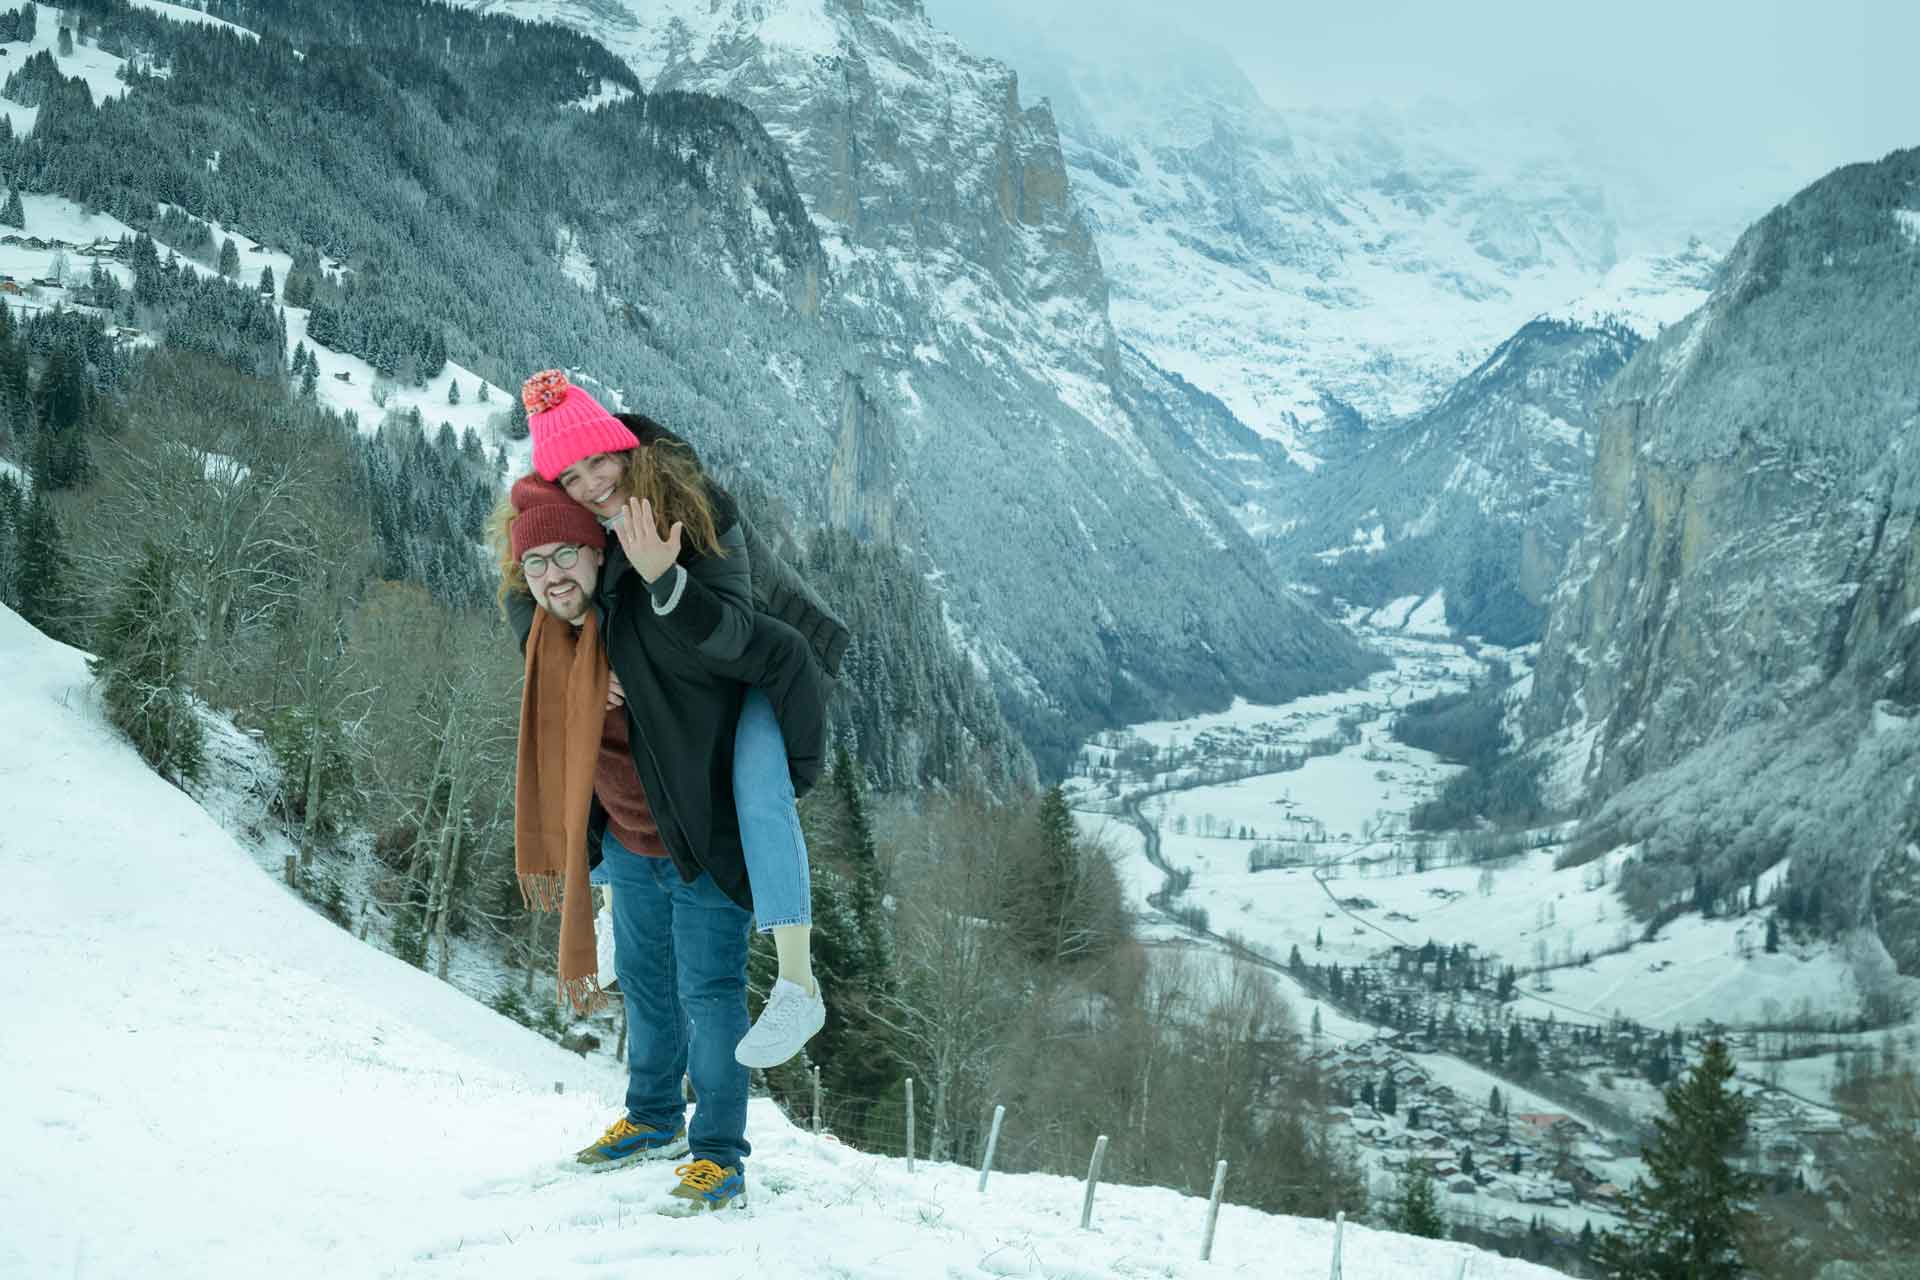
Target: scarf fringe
584,994
541,891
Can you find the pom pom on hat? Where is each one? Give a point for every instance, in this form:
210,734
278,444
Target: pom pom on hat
567,424
544,390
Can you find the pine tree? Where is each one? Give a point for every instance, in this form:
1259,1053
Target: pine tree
1048,899
1389,1096
141,665
310,380
1466,1161
266,280
1418,1210
1690,1219
453,391
65,42
1316,1022
40,584
12,215
61,395
229,259
517,428
13,513
1773,935
1659,1068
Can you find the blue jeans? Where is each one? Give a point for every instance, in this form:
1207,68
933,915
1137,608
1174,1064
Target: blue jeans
776,851
681,952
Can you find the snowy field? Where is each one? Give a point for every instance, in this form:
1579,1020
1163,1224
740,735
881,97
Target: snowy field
207,1078
1357,882
1355,891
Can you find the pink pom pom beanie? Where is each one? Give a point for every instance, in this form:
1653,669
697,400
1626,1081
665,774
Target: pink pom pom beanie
568,424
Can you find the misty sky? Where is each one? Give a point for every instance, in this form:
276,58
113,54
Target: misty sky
1751,98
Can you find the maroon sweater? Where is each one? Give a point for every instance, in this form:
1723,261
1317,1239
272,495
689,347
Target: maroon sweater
621,793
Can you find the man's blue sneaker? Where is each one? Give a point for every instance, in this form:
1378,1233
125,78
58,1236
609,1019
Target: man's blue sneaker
625,1142
705,1187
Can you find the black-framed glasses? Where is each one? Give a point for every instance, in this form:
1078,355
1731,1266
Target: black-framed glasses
536,566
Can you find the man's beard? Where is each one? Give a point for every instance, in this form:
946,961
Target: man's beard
571,607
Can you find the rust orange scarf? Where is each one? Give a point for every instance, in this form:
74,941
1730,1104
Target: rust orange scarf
562,711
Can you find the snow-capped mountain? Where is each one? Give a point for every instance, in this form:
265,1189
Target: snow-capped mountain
1301,265
987,415
1482,494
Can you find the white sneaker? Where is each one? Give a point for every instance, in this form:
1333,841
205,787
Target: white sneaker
603,949
790,1020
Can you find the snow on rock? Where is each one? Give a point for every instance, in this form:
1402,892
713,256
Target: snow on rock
205,1077
1645,293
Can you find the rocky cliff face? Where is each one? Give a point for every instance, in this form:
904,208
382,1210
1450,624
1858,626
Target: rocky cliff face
1731,671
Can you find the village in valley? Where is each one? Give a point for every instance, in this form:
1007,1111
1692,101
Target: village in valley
1473,1009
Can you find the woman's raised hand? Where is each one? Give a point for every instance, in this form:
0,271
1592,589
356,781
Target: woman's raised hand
649,553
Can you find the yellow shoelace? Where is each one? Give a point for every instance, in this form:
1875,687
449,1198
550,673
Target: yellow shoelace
701,1175
618,1130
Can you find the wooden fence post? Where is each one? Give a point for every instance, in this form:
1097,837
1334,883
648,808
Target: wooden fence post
993,1140
1339,1228
1093,1180
909,1124
1213,1209
816,1100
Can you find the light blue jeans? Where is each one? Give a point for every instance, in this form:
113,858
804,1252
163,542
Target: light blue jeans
776,851
770,837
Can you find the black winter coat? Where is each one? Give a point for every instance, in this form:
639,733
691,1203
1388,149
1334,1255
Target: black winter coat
686,650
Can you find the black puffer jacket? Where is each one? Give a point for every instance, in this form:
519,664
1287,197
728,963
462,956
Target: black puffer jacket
686,650
777,589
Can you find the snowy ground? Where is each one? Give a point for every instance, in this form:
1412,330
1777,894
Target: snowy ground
207,1078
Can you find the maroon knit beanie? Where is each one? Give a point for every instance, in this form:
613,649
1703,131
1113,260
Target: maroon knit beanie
544,513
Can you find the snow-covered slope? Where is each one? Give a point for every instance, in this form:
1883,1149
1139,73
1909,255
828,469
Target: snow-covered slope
1645,293
205,1078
